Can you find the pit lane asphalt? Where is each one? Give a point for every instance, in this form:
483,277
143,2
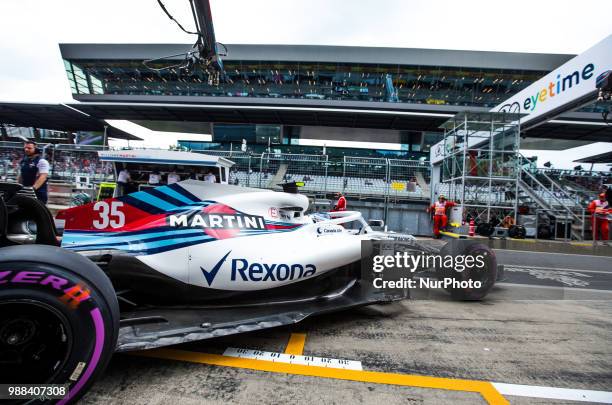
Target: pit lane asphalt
530,330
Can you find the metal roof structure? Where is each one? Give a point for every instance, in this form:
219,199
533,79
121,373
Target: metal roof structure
334,54
601,158
60,117
416,117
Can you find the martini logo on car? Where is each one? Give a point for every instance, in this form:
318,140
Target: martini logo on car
217,221
243,270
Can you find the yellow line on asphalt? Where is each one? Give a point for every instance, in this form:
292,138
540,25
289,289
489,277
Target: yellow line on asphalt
296,344
524,240
484,388
581,244
451,234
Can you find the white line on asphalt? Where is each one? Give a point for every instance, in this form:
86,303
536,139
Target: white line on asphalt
549,253
534,391
293,358
552,287
523,266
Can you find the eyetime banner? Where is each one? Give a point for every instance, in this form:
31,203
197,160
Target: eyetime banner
565,85
553,93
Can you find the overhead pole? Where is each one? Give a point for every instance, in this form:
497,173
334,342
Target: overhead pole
207,43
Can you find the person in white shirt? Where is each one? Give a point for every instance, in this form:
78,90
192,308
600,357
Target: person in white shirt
154,178
210,178
173,177
122,180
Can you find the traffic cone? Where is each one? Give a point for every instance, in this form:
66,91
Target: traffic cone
472,229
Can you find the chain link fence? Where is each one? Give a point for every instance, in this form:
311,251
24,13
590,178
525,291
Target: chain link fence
67,162
278,168
363,176
408,178
358,177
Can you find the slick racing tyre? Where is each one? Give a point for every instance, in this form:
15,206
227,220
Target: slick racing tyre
485,229
486,274
517,232
59,319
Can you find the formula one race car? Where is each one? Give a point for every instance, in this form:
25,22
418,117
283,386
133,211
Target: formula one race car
167,265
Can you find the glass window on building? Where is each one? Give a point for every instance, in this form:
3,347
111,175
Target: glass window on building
430,139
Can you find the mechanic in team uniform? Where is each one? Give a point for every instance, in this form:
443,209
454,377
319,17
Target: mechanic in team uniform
34,171
438,209
341,203
154,178
123,178
599,209
173,177
210,177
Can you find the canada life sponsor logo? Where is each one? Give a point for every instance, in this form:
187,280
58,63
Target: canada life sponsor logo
244,271
561,84
322,230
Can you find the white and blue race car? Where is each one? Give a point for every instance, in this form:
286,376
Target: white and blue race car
172,264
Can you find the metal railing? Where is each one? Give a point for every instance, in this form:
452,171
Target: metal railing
549,202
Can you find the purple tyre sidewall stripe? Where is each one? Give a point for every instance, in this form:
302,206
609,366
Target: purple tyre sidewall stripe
95,358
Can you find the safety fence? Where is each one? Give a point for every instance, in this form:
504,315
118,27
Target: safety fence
67,162
361,177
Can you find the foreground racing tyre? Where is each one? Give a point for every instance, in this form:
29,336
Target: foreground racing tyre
485,275
59,318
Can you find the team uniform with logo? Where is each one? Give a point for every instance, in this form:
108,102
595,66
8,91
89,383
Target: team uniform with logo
599,209
439,215
341,204
173,178
31,168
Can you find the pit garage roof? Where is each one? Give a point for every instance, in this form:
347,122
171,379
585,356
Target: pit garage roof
309,114
416,117
327,54
601,158
58,117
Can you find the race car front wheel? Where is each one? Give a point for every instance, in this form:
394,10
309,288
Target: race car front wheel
59,319
465,287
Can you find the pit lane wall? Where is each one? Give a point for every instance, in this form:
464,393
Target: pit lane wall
409,217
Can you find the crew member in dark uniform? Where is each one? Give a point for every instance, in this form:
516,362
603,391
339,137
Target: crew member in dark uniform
34,171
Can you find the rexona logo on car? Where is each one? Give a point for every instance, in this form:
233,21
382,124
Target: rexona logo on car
243,270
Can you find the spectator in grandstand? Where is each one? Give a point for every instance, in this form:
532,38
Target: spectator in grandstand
599,209
122,181
34,171
173,177
440,219
341,203
210,177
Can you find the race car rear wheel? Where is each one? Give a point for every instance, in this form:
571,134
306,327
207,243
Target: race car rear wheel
36,338
59,318
486,275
